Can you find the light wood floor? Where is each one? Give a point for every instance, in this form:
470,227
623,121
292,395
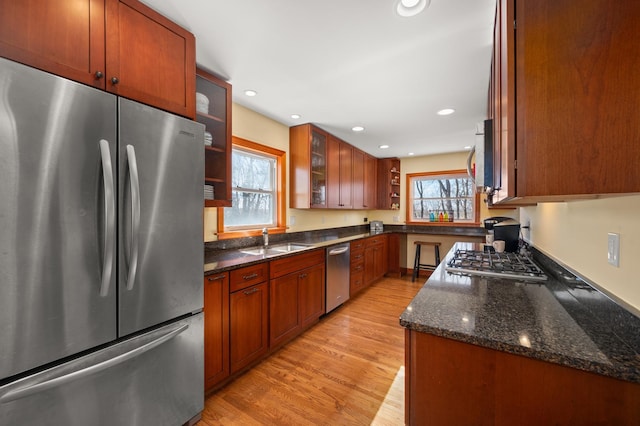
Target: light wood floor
346,370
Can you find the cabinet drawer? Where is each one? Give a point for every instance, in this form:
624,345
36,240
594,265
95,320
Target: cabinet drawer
287,265
357,245
357,257
374,241
248,276
356,283
357,267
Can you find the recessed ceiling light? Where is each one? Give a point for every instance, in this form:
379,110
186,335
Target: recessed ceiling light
357,129
410,154
467,147
295,116
446,111
250,92
408,8
383,146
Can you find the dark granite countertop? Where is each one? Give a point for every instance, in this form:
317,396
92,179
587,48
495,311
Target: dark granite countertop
562,320
225,255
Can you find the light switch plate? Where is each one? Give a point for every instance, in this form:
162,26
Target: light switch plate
613,251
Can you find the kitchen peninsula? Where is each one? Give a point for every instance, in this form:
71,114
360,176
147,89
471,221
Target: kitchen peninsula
502,351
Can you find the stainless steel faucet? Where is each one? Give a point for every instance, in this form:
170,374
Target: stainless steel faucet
265,237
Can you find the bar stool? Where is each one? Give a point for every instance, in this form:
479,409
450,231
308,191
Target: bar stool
417,266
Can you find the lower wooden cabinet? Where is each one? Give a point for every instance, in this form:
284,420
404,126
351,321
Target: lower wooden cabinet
216,329
297,295
457,383
356,270
375,258
248,323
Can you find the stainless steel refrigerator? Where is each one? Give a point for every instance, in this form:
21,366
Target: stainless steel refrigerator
101,257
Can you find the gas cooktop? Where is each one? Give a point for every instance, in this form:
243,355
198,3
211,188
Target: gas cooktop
504,265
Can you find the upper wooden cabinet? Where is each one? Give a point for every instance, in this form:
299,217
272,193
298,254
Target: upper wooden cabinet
339,174
389,183
121,46
364,180
326,172
308,167
565,89
215,114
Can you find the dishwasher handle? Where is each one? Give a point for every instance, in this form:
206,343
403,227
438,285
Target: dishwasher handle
338,250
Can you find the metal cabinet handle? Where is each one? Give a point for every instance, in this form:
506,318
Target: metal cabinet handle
99,75
218,278
114,80
250,292
302,276
135,215
110,217
249,277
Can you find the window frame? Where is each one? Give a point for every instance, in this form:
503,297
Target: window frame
409,200
280,185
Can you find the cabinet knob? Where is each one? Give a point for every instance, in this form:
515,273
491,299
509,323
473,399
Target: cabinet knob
99,75
115,80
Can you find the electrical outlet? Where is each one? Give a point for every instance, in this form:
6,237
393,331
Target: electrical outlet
365,220
613,251
292,220
396,218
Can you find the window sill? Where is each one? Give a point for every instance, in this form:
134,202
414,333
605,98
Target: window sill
461,224
249,233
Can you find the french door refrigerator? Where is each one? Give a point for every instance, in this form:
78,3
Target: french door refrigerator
101,257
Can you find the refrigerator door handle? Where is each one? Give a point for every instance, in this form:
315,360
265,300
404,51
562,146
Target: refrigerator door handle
135,215
110,217
47,380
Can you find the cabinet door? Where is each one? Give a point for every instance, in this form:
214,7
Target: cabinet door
339,174
369,265
248,318
577,86
369,184
149,58
217,152
312,294
62,37
504,143
358,179
216,329
283,309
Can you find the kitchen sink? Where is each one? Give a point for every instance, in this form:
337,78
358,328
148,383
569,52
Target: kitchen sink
275,250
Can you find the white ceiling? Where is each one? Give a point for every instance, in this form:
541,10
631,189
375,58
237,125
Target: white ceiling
342,63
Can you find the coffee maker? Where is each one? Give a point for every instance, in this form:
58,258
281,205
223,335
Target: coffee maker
505,229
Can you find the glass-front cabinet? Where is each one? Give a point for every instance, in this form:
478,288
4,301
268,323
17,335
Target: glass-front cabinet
318,169
308,167
213,109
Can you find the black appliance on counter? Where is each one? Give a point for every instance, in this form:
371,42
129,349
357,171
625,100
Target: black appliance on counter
506,229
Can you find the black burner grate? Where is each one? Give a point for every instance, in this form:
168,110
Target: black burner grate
508,265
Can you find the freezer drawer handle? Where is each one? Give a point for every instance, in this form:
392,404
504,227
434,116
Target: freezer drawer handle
110,217
42,386
135,215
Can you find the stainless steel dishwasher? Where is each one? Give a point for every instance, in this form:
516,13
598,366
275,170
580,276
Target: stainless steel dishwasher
337,277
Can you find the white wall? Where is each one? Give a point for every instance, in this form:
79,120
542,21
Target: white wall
575,233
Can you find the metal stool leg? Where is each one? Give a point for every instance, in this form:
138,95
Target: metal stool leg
416,264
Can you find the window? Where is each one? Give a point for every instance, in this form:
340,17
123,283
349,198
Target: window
447,196
257,191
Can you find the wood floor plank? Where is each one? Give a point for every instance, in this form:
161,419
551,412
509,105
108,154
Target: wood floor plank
346,370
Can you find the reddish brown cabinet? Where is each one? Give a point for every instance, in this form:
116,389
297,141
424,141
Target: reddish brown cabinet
453,382
375,258
339,174
297,295
308,167
216,329
388,183
364,180
356,269
218,145
248,315
121,46
564,98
